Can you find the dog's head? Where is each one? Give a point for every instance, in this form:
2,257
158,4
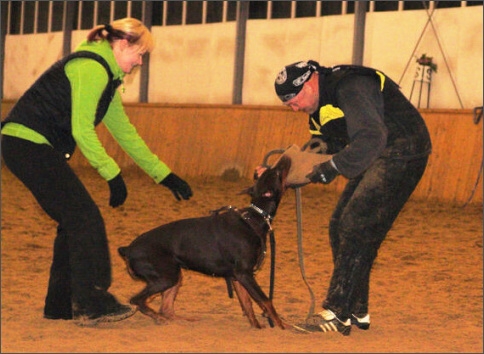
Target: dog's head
269,188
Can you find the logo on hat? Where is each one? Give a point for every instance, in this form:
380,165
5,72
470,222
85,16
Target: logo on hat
302,79
281,77
291,78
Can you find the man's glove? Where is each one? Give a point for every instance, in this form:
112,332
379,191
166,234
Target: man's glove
178,187
323,173
118,191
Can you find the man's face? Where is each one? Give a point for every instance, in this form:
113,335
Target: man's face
307,99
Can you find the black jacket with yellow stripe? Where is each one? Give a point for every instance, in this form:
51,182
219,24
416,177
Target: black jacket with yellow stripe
362,116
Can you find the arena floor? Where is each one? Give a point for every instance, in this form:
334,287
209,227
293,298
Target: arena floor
426,286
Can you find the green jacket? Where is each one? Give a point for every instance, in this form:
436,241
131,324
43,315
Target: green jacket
88,80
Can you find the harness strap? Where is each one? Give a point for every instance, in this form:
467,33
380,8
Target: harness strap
246,217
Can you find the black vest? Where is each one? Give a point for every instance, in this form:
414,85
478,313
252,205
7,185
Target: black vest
328,121
407,133
46,106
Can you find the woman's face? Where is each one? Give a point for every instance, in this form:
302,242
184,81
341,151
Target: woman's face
128,56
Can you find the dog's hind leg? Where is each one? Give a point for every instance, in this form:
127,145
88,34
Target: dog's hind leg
141,301
160,278
246,304
167,308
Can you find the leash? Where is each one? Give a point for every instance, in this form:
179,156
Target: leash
244,217
273,270
267,219
272,238
315,146
300,249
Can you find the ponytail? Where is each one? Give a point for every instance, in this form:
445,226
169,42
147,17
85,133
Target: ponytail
130,29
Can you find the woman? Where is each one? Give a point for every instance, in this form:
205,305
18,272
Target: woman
57,113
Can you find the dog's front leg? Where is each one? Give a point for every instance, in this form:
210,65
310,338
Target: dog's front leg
246,304
255,292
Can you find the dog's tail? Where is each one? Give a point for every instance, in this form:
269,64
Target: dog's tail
123,252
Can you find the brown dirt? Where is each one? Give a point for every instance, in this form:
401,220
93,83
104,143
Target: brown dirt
426,286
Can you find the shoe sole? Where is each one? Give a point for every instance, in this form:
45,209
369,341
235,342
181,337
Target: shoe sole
89,322
363,324
306,328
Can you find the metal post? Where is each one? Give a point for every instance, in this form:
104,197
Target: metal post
421,85
423,75
242,15
3,35
359,32
68,25
145,68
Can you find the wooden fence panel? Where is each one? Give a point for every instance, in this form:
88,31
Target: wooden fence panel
456,158
208,140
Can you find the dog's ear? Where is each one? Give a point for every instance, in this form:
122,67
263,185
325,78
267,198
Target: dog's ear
248,190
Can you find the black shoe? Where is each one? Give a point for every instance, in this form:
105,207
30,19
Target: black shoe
325,321
362,321
121,313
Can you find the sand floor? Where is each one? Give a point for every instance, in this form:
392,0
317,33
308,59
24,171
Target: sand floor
425,296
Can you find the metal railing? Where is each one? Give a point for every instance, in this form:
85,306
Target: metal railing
47,16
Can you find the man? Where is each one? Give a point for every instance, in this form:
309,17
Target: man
379,141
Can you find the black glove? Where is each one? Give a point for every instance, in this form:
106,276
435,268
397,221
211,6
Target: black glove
177,186
323,173
118,191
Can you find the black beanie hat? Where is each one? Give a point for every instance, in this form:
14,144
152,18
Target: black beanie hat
290,80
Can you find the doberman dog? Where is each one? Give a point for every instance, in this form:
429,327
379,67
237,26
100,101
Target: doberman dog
230,243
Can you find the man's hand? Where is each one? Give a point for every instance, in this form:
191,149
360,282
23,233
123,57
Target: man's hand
323,173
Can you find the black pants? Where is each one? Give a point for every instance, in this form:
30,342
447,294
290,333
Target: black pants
81,268
363,216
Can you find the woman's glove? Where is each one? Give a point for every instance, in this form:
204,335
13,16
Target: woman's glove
323,173
178,187
118,191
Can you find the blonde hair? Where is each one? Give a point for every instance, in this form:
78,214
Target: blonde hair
131,29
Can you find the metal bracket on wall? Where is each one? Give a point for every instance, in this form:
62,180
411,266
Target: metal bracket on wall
430,21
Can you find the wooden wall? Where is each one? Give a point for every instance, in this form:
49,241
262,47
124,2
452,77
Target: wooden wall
207,140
